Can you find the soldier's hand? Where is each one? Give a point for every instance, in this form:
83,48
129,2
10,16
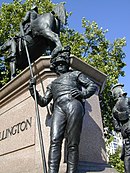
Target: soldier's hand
76,93
32,82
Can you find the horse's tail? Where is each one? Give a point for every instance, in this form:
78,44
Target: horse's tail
60,11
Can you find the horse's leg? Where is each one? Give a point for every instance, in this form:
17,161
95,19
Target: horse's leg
54,38
13,48
12,68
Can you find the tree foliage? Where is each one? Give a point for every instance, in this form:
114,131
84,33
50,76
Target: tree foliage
91,46
116,162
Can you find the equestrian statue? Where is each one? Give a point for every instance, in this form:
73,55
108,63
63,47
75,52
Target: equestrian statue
41,33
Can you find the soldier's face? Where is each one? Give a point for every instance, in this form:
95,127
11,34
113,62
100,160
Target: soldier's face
61,68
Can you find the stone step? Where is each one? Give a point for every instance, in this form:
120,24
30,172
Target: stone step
89,167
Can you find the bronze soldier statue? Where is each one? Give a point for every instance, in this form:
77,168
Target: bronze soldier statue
121,117
68,92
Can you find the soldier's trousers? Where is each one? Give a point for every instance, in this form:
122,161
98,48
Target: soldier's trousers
67,119
127,157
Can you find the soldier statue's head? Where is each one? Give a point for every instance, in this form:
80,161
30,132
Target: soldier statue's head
117,91
61,62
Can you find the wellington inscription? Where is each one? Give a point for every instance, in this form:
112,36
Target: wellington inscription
15,129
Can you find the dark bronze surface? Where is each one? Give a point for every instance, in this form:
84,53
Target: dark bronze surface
68,92
121,119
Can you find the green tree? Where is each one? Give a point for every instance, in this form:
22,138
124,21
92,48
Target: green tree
115,161
91,46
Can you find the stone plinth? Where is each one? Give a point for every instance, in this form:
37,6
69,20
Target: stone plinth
19,140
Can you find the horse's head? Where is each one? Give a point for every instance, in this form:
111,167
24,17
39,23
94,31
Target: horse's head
60,12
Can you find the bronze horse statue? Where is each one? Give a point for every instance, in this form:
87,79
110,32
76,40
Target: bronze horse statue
44,34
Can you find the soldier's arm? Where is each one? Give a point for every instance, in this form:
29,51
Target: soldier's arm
42,101
117,127
116,123
89,85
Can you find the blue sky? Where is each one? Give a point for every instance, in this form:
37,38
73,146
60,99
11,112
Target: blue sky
113,15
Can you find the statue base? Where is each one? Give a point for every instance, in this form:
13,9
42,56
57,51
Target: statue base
89,167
